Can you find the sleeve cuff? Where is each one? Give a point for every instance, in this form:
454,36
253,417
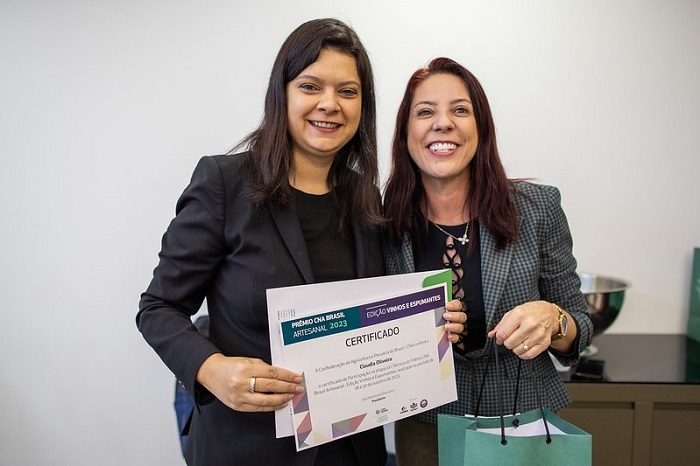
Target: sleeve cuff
573,354
202,396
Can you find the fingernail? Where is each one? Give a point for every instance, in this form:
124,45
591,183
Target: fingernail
299,389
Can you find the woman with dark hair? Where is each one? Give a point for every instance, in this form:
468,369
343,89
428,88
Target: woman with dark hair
449,204
300,206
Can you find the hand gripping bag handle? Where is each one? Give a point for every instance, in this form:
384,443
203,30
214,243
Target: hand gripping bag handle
499,383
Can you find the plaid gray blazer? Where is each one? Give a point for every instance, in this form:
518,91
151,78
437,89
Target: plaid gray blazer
539,264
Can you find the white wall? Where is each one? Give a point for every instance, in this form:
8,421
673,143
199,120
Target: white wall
105,107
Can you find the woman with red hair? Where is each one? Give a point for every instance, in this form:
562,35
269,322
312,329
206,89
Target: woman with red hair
449,204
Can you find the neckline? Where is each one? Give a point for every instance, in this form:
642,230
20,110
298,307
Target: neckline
460,226
315,196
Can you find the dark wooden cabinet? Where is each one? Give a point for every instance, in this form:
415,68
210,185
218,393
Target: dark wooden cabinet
638,424
645,411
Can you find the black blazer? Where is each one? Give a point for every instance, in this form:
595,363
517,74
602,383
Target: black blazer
221,248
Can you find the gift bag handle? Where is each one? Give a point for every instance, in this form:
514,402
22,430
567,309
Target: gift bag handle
499,383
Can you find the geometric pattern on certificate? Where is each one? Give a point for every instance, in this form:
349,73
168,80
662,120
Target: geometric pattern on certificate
443,342
300,402
318,438
304,428
446,368
347,426
439,320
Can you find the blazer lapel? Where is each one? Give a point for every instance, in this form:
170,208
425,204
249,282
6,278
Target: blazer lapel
289,229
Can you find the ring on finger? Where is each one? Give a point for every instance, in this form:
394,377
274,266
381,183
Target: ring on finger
525,347
252,385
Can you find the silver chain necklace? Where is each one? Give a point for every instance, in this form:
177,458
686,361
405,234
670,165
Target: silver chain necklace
462,239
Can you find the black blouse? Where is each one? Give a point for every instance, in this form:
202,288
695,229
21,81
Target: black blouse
441,251
332,253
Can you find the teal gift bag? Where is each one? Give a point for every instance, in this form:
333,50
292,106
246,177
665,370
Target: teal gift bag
692,362
468,440
538,437
694,311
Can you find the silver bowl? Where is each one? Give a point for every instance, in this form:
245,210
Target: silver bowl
604,296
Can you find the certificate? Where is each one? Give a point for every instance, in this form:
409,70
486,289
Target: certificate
364,363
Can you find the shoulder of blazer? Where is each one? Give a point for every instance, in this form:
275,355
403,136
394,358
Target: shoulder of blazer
535,192
231,166
228,174
534,199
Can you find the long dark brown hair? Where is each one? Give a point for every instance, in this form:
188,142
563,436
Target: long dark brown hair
354,172
488,198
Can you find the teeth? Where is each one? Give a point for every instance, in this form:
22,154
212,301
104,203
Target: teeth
442,146
324,124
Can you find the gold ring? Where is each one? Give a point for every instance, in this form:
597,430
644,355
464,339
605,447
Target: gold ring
252,385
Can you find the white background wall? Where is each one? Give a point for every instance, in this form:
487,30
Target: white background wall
106,106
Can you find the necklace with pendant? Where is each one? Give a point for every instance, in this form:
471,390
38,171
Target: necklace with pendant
462,239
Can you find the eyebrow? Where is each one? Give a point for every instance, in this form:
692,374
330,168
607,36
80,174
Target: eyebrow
433,103
317,79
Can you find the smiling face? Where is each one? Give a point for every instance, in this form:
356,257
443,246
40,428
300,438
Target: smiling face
323,107
442,132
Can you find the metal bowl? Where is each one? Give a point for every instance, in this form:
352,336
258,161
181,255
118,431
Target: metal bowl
604,296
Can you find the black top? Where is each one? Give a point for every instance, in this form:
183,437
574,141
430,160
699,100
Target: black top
332,253
429,256
332,257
